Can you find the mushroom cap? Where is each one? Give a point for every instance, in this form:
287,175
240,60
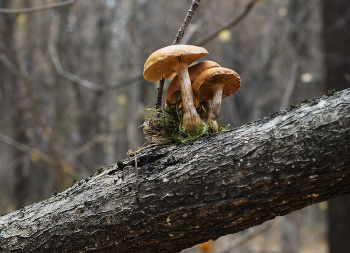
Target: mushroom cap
163,61
174,89
206,83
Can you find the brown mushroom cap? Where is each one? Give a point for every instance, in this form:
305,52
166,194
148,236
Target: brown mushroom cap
163,61
206,83
174,89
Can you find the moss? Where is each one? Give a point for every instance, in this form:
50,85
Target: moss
331,92
167,127
305,100
294,106
99,170
120,164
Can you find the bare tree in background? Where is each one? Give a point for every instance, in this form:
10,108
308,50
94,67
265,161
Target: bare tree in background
336,41
17,103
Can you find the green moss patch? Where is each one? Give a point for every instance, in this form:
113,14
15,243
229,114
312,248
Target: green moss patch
167,127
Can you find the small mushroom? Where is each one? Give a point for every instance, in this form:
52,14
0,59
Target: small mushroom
175,59
174,90
214,84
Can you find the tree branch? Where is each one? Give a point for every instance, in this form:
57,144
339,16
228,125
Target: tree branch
188,18
37,8
83,82
187,194
231,24
27,149
290,85
88,145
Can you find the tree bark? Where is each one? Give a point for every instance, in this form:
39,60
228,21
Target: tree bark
189,193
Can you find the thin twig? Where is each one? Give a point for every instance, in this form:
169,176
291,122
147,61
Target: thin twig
47,159
26,149
76,79
88,145
290,86
12,68
189,16
134,153
37,8
231,24
194,27
83,82
177,39
160,95
246,236
136,170
121,84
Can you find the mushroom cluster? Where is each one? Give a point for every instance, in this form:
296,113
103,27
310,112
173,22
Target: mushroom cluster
201,85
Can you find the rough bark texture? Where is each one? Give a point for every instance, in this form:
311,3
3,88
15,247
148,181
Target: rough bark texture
186,194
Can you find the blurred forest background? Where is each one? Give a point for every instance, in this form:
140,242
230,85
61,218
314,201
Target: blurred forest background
72,96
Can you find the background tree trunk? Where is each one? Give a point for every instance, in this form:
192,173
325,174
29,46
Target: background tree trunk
336,41
20,179
186,194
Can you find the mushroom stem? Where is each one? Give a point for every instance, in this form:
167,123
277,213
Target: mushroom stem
190,119
215,108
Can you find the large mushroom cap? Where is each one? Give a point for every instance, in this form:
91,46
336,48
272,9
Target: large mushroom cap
163,61
206,83
174,89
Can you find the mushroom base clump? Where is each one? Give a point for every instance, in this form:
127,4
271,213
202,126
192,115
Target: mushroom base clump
168,127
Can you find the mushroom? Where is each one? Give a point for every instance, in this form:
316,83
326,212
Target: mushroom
174,90
175,59
214,84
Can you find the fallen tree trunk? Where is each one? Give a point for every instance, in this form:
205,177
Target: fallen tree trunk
185,194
